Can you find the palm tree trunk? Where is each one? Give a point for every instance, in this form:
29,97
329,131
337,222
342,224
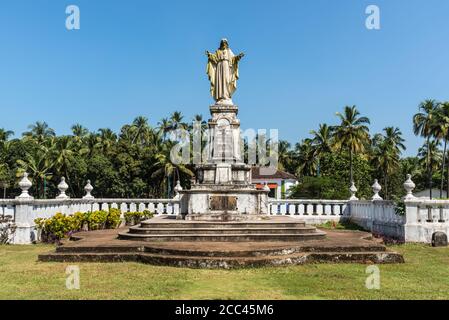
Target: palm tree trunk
447,186
442,169
350,165
429,169
386,186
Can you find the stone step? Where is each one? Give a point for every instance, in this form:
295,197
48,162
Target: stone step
207,225
227,262
221,231
284,250
223,237
100,249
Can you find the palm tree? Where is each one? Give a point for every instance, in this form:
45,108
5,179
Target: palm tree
352,134
387,150
79,131
38,164
164,126
165,170
176,121
40,131
142,130
63,155
91,143
5,135
441,132
430,155
107,138
423,125
283,154
306,158
322,141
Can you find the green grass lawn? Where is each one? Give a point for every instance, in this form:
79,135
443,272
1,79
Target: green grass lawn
425,275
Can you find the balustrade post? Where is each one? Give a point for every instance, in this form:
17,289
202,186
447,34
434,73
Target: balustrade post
88,188
376,189
23,217
409,185
62,187
353,190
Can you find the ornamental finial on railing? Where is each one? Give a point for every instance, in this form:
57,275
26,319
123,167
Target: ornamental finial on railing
25,184
88,188
353,190
409,185
178,189
376,189
62,187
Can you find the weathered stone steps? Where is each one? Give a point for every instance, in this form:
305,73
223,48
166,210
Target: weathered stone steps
223,237
218,253
220,231
228,262
220,225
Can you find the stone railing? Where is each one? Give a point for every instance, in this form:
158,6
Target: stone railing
379,217
419,221
424,218
24,210
311,211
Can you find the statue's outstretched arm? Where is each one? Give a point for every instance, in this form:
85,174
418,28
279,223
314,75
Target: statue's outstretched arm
211,56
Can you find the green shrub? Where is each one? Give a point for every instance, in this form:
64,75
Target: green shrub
113,219
399,208
55,228
148,214
59,226
79,219
133,218
97,220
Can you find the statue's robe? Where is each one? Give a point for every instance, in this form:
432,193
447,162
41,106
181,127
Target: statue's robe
223,73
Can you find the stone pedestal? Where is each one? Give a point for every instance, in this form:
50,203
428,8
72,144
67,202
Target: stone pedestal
223,190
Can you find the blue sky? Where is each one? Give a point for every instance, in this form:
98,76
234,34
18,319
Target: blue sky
305,60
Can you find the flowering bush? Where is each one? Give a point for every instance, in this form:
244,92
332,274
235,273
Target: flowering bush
133,218
60,226
113,220
97,220
55,228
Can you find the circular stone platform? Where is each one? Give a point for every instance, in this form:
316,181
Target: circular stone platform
336,247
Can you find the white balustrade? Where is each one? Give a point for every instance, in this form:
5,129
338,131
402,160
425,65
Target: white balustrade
311,211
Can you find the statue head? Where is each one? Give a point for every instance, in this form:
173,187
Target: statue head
224,44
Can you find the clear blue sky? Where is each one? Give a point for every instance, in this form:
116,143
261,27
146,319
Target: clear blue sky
305,61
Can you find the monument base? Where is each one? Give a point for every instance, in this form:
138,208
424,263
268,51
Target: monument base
224,203
224,217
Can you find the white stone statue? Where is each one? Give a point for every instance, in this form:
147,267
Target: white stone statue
223,72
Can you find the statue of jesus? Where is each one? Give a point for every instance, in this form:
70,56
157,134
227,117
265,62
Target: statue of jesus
223,72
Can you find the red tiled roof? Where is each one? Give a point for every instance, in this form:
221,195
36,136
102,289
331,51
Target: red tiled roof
255,172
